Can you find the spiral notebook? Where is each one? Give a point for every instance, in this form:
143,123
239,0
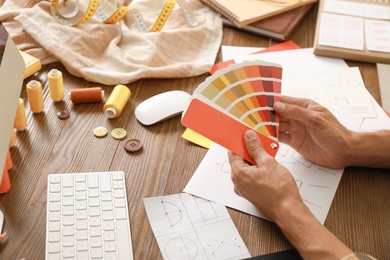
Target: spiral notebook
244,12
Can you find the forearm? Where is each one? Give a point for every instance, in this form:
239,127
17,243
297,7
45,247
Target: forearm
370,149
308,235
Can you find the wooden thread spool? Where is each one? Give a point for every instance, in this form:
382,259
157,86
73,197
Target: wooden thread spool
12,140
8,160
35,96
5,184
56,85
116,101
86,95
20,121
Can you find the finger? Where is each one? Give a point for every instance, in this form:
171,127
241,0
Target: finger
284,126
284,138
302,102
233,158
296,112
254,146
237,192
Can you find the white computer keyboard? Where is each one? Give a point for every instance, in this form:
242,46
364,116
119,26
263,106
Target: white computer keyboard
87,217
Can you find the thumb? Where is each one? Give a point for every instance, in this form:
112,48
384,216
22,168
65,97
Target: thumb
254,146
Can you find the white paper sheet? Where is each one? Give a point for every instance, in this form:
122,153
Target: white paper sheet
331,87
295,58
187,227
384,83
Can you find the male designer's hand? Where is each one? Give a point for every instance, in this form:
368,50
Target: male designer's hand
314,132
268,185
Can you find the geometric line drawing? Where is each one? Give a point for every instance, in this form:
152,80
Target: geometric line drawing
189,227
184,247
172,212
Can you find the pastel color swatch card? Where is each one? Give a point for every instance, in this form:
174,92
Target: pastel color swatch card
235,99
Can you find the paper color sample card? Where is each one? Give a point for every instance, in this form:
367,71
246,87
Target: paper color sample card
235,99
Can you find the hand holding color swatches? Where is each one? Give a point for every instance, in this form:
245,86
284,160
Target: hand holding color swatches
235,99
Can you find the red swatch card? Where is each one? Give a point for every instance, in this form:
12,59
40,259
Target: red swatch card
234,100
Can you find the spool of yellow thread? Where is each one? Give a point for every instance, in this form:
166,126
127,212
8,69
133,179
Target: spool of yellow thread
12,140
56,85
116,101
20,121
35,96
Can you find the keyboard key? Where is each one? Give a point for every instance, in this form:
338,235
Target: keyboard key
96,253
54,178
67,231
54,247
109,247
120,203
54,236
81,195
105,182
121,213
67,180
82,245
95,231
81,186
92,180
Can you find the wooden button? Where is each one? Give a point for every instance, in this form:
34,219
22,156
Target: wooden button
63,114
118,133
100,131
133,145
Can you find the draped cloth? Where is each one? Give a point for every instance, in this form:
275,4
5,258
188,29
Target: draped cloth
117,53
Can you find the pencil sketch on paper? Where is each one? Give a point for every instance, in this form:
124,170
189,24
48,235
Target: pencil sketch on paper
342,88
188,227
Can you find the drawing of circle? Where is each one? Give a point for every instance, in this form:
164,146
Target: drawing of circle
353,83
330,78
181,248
172,212
302,77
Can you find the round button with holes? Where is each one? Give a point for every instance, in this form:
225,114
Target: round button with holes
133,145
100,131
118,133
63,114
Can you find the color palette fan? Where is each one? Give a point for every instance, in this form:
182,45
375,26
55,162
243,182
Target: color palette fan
235,99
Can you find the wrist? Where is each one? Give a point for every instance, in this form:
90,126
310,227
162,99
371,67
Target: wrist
307,234
369,149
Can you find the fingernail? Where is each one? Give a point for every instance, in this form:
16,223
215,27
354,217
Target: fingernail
279,105
250,135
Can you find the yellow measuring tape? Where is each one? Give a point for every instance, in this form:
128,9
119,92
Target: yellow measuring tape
95,7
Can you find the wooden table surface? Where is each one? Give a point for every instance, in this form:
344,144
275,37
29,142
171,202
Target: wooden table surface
359,215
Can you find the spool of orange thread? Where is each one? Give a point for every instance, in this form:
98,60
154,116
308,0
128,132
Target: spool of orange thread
56,85
5,184
12,140
35,96
116,101
8,160
86,95
20,121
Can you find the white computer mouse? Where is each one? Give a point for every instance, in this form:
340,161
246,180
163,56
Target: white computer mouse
162,106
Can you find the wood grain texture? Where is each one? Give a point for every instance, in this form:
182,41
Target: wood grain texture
358,216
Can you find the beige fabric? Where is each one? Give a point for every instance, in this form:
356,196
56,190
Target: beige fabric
118,53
